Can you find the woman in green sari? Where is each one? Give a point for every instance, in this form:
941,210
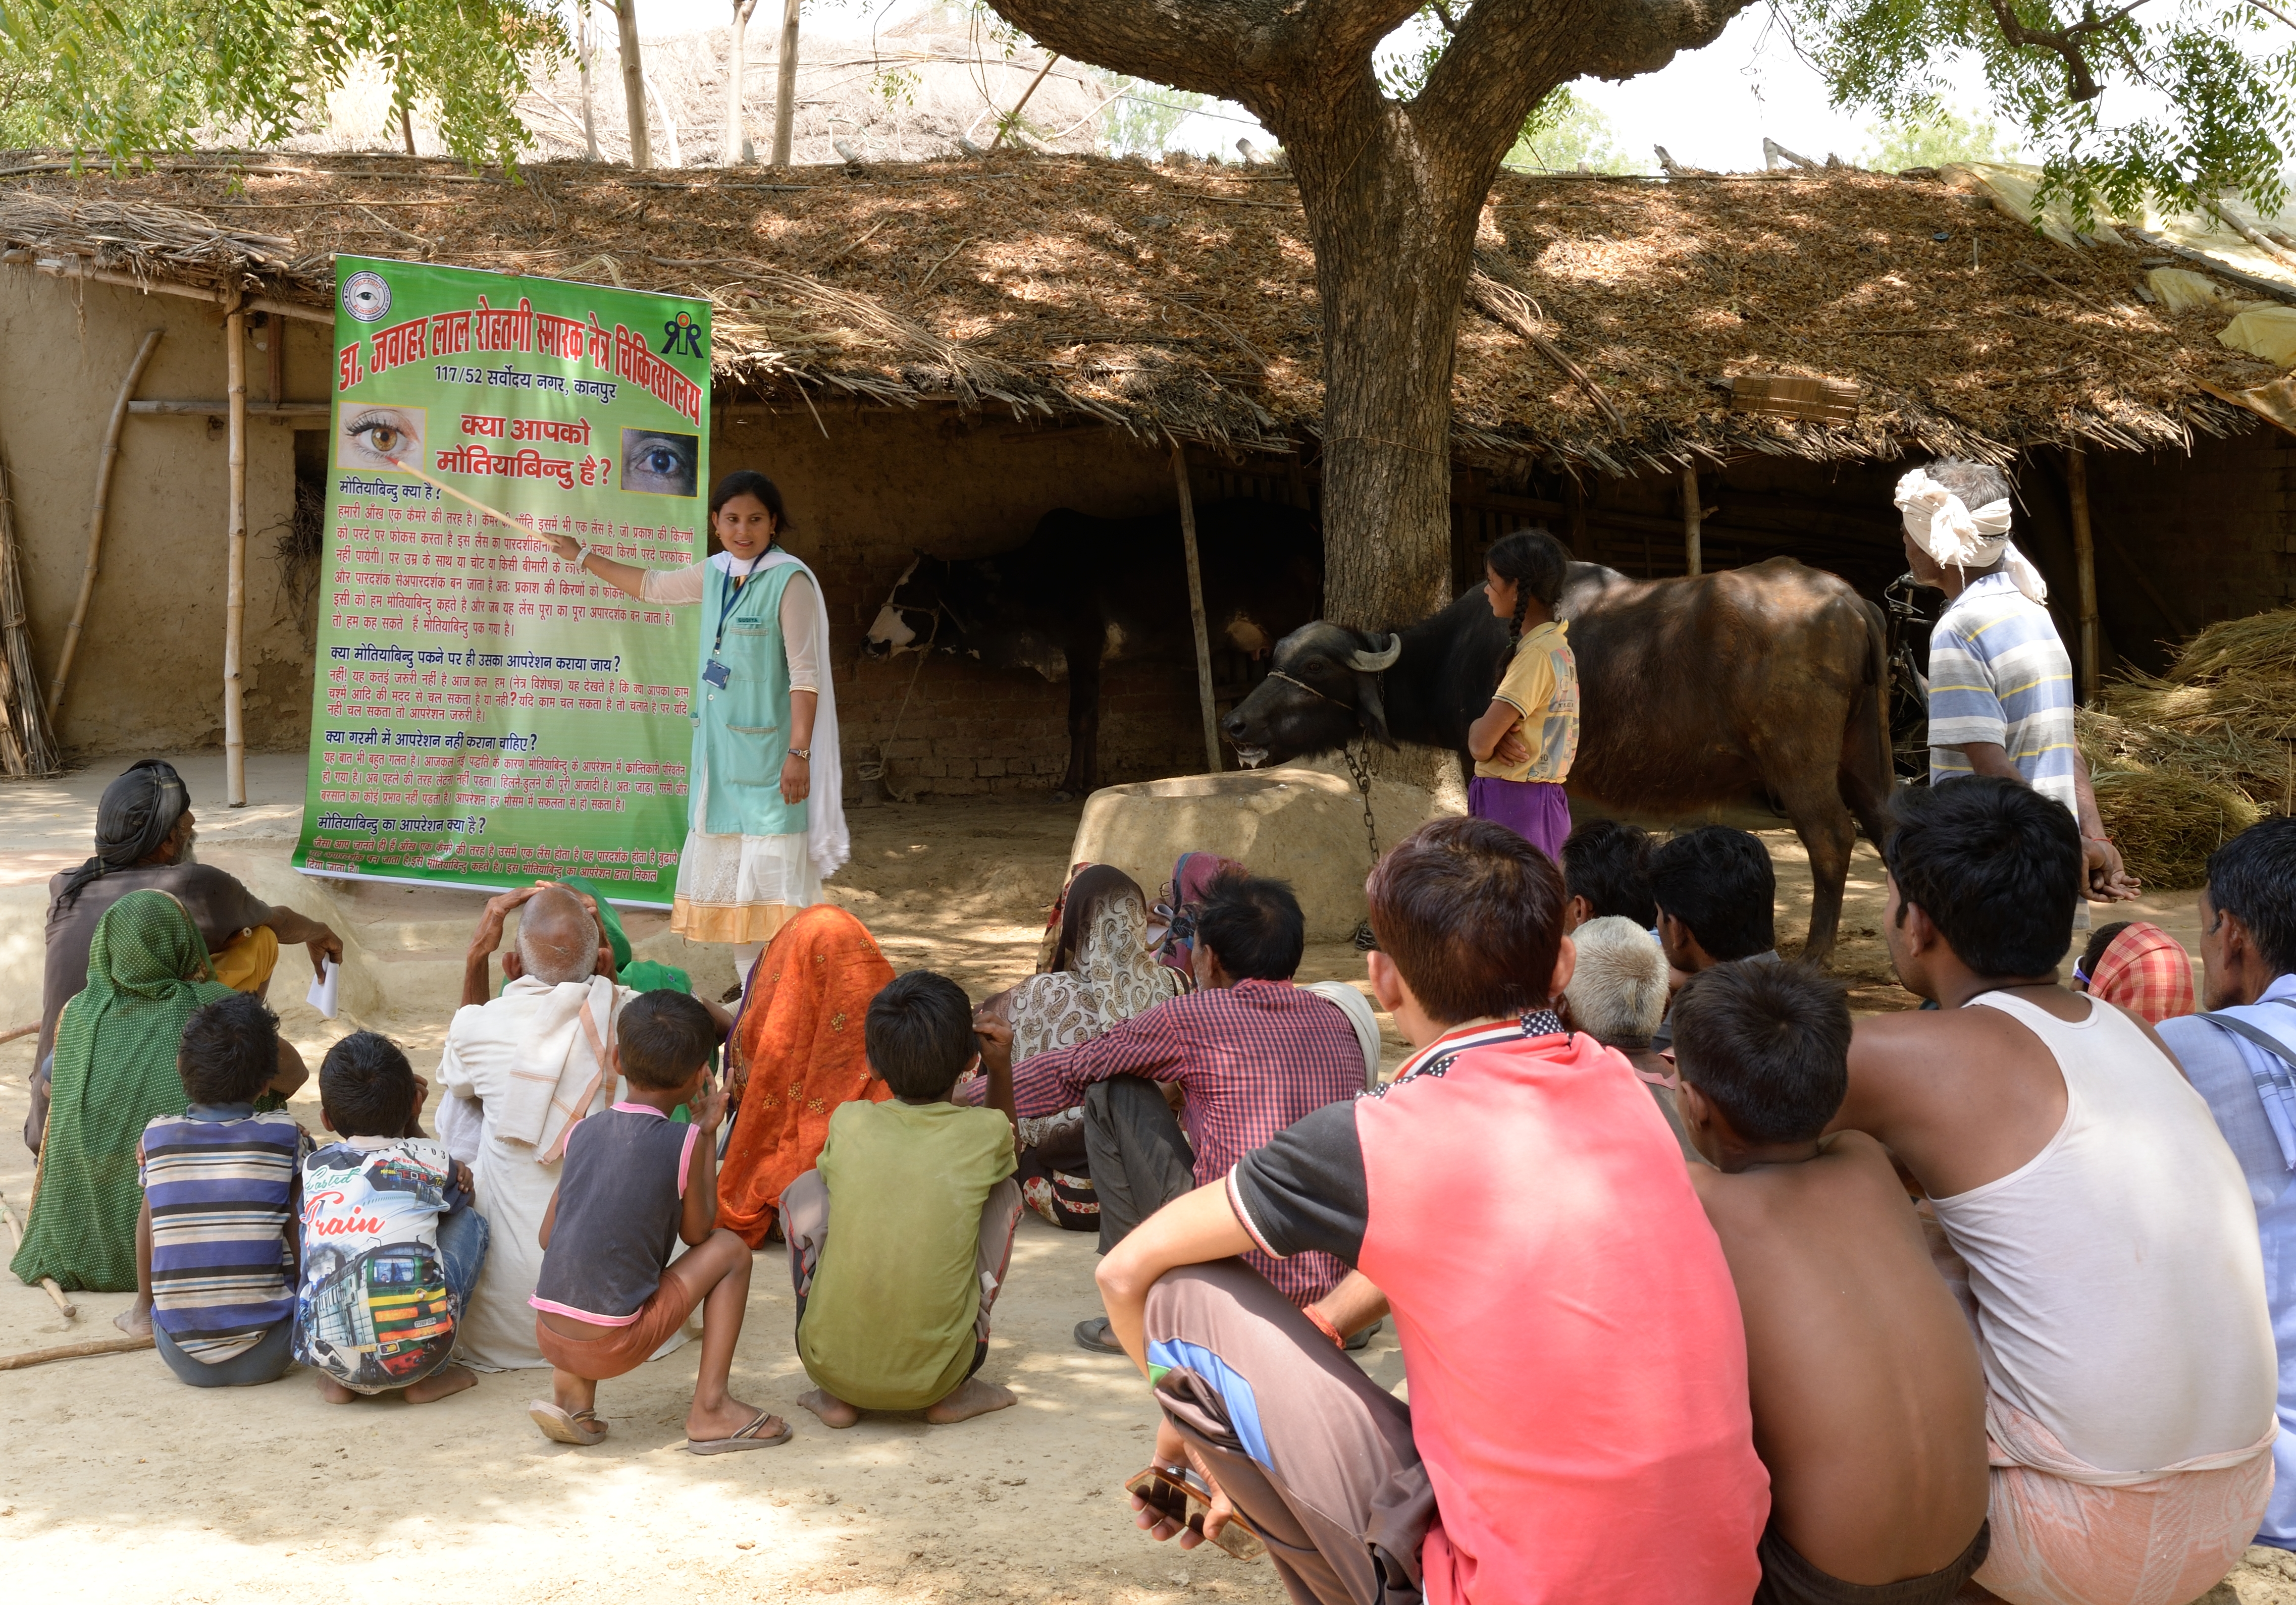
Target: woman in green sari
148,973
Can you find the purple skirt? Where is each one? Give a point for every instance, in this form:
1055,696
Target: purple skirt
1536,810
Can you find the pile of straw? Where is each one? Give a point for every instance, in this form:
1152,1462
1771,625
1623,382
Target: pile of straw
2184,760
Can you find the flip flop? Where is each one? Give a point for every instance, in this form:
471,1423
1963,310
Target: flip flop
582,1427
746,1438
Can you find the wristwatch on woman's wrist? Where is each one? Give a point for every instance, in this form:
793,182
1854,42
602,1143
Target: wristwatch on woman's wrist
804,752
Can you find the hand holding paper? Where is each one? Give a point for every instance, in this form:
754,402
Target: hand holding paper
322,996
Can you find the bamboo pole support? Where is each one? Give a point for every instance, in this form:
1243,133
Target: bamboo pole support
785,84
1011,120
2084,563
104,462
1693,560
81,1350
71,1311
1196,610
235,600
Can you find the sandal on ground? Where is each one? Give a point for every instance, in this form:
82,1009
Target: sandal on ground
1095,1336
581,1427
1362,1339
746,1438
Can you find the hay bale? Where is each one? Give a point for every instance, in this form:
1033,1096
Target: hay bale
2223,715
2167,822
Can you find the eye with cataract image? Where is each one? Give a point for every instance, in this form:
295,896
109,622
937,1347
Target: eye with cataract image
373,437
660,464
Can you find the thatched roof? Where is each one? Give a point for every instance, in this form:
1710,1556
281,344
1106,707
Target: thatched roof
1179,300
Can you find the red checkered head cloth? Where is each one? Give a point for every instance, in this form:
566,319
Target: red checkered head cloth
2145,969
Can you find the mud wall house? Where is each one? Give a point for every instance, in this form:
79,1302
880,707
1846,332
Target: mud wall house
930,356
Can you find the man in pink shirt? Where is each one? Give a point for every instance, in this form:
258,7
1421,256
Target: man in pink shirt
1578,1426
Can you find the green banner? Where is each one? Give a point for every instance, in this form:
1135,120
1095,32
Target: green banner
482,713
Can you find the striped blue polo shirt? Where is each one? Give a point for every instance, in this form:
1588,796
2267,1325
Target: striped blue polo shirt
1998,672
220,1180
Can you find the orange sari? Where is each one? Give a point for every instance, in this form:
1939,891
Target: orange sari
799,1053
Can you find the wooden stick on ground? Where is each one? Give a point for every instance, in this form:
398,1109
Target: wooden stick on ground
48,1286
81,1350
14,1032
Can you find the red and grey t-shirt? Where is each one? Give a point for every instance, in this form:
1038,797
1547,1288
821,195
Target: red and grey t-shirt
1575,1358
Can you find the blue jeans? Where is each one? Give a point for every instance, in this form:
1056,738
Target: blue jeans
463,1236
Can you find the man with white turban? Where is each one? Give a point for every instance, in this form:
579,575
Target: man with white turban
2001,684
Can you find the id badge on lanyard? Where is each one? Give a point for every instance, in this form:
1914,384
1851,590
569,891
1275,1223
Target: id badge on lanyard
715,672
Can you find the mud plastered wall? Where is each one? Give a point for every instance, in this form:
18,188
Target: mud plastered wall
868,489
148,674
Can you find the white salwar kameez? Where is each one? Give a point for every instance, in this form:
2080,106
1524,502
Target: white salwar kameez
742,889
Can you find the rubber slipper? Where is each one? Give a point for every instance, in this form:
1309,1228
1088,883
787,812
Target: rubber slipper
746,1438
1095,1336
582,1427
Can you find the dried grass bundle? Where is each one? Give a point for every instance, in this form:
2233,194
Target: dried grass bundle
2167,822
2224,712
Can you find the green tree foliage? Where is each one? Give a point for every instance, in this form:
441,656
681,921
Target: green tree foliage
1931,141
1565,134
115,78
2219,74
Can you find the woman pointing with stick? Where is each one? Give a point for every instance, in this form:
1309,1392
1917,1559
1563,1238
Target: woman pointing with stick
766,821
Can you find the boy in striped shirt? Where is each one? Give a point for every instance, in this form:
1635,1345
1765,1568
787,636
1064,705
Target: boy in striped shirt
2001,684
216,1244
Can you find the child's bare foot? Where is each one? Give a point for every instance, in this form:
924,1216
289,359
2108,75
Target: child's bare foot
440,1383
332,1392
973,1397
136,1320
832,1411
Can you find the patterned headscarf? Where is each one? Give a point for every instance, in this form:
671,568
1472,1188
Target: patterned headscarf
2144,970
799,1041
148,973
1956,537
1107,975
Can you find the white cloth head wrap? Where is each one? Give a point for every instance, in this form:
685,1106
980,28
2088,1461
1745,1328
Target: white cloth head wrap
1958,538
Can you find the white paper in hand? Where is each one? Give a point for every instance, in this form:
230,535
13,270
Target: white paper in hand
322,996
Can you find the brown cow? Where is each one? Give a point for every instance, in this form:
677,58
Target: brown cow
1751,684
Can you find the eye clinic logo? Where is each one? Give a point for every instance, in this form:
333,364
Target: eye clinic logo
366,297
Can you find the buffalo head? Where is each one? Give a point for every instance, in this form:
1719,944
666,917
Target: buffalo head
916,612
1323,689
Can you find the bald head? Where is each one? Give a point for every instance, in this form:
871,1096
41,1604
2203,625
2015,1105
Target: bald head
557,939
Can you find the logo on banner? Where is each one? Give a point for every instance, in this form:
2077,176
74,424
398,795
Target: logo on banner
366,297
682,337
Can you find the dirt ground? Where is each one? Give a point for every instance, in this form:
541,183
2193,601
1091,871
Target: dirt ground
116,1482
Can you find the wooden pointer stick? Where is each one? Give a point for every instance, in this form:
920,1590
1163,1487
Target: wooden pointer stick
500,518
73,1351
47,1284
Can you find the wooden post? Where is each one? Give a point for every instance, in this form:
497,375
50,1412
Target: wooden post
1011,120
634,100
104,462
234,595
786,84
1574,504
1196,610
2084,563
276,342
1693,558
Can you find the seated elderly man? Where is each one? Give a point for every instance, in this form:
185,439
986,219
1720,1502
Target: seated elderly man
143,835
1617,996
517,1073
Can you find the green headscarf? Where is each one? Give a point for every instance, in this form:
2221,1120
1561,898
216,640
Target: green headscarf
148,973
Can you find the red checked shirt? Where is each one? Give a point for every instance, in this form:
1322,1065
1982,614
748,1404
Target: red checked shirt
1252,1058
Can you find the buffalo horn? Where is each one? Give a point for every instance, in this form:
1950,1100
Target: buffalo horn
1371,663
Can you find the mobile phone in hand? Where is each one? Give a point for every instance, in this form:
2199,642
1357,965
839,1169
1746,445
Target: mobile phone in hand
1183,1498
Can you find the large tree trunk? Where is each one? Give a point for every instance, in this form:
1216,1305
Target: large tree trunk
633,97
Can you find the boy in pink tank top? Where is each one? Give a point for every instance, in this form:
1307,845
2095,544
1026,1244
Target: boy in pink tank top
2096,1228
1577,1427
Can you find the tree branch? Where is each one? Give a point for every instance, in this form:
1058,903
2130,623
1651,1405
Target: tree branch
2066,41
1240,50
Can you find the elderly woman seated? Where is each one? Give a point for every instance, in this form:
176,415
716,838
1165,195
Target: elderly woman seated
1616,996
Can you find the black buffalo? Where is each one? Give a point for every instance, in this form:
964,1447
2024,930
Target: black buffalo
1084,590
1761,683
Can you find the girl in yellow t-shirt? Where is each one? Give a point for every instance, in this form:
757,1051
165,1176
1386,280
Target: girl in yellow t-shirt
1524,741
